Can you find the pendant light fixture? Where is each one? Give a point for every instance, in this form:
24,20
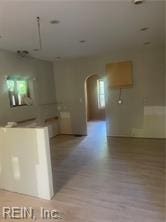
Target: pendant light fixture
39,34
120,101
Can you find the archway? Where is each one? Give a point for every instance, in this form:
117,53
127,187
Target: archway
95,100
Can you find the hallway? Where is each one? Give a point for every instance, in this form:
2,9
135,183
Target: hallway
119,180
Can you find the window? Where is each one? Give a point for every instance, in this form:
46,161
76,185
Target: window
18,90
100,94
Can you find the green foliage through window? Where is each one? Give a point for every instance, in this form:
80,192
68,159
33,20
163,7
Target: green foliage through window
22,87
10,85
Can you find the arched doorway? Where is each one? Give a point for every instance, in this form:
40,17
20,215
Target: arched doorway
95,100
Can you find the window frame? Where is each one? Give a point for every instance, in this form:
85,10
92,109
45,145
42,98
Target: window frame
99,94
15,93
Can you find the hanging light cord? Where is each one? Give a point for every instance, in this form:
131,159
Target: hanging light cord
120,94
39,33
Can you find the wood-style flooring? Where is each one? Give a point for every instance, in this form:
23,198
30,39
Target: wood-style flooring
100,180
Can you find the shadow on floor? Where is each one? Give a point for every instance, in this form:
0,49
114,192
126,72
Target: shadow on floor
70,154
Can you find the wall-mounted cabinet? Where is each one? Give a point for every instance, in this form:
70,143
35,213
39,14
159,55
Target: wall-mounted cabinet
120,74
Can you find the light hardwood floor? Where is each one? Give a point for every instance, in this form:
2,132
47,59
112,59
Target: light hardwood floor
100,180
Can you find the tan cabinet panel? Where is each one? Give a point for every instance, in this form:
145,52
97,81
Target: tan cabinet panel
120,75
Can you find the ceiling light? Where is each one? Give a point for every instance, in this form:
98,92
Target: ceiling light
138,2
54,22
82,41
144,29
147,43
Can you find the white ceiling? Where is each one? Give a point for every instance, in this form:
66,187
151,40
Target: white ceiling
105,25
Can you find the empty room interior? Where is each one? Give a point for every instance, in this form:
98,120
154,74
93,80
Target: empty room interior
82,110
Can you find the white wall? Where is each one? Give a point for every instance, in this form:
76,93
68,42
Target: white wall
130,118
40,75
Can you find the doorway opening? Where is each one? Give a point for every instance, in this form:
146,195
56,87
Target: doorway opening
95,103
